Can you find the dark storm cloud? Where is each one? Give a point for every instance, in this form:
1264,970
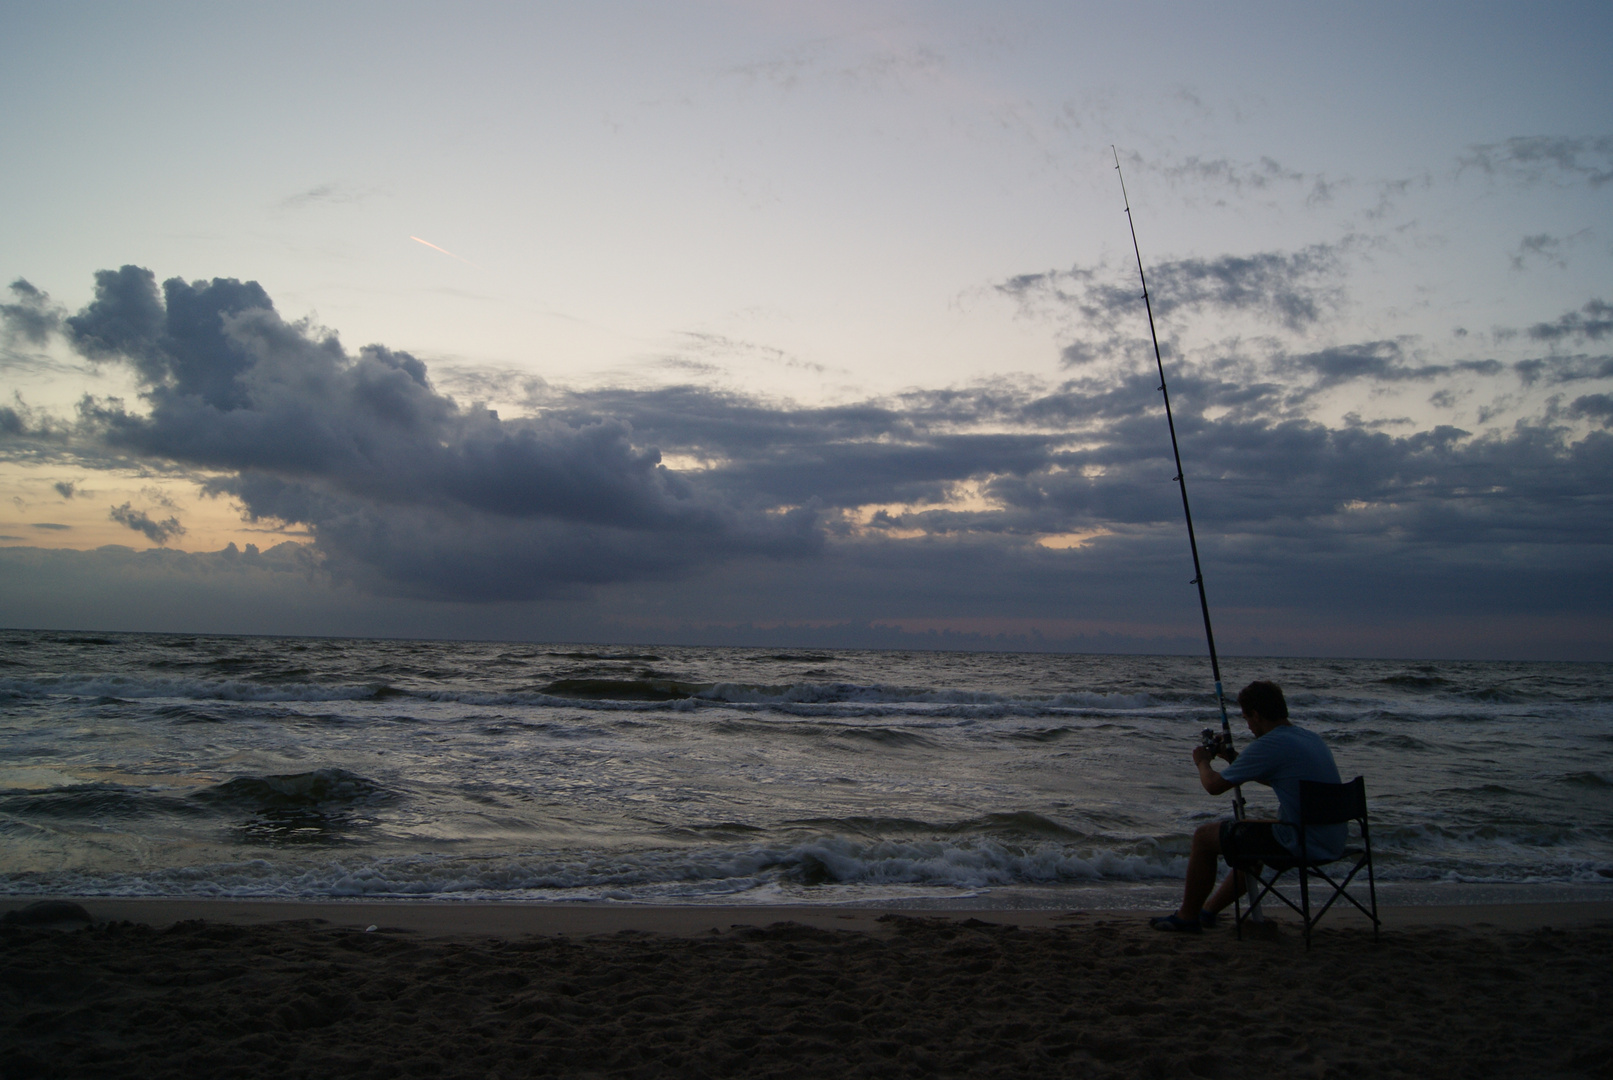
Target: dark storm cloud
407,491
912,447
399,483
421,550
158,532
179,342
1093,454
1532,158
125,318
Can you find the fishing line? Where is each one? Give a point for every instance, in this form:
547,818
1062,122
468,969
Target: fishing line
1181,483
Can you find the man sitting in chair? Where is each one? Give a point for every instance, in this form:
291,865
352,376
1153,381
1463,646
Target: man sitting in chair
1281,756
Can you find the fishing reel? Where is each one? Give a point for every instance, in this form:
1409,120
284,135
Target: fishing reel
1217,743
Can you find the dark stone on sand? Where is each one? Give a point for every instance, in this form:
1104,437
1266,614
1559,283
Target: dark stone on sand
45,912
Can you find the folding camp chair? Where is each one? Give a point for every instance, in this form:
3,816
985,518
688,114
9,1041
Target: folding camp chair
1320,804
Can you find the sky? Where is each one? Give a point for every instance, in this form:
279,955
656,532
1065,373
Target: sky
783,323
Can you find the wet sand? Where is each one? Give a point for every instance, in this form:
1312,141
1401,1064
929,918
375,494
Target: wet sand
255,989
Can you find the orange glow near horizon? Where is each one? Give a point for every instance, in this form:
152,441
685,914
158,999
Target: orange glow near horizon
36,512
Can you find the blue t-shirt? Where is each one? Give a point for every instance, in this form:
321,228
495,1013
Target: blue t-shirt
1282,757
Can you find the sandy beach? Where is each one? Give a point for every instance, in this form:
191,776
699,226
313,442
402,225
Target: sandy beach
188,988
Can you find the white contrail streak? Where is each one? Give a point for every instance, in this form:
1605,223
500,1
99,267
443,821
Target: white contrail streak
445,251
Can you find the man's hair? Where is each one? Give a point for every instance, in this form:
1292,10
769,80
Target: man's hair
1265,698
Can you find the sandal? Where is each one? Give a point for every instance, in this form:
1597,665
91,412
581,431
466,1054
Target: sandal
1174,924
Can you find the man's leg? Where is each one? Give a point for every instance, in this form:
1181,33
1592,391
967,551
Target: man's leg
1230,887
1200,870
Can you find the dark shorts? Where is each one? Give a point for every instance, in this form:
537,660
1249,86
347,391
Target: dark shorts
1250,843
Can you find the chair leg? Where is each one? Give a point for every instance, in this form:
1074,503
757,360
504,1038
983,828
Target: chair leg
1372,891
1305,902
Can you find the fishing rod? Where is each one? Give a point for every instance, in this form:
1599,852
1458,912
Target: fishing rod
1181,482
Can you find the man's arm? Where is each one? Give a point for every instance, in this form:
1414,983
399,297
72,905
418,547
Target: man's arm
1212,781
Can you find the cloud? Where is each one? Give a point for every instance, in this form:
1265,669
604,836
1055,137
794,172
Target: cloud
1594,406
1563,369
720,347
329,194
1379,360
179,343
401,486
1259,176
1102,305
1374,361
31,430
32,317
158,532
1593,322
1534,158
155,494
861,70
1293,289
923,503
1542,246
1089,455
124,320
1372,199
1237,175
64,488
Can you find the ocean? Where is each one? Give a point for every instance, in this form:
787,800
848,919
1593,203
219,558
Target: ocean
209,766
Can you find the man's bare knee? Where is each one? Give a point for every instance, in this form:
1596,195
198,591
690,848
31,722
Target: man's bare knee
1208,836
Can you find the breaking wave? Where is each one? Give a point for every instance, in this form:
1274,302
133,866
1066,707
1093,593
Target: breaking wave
189,765
961,866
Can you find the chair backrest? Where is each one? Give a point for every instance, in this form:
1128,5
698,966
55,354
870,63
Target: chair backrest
1332,804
